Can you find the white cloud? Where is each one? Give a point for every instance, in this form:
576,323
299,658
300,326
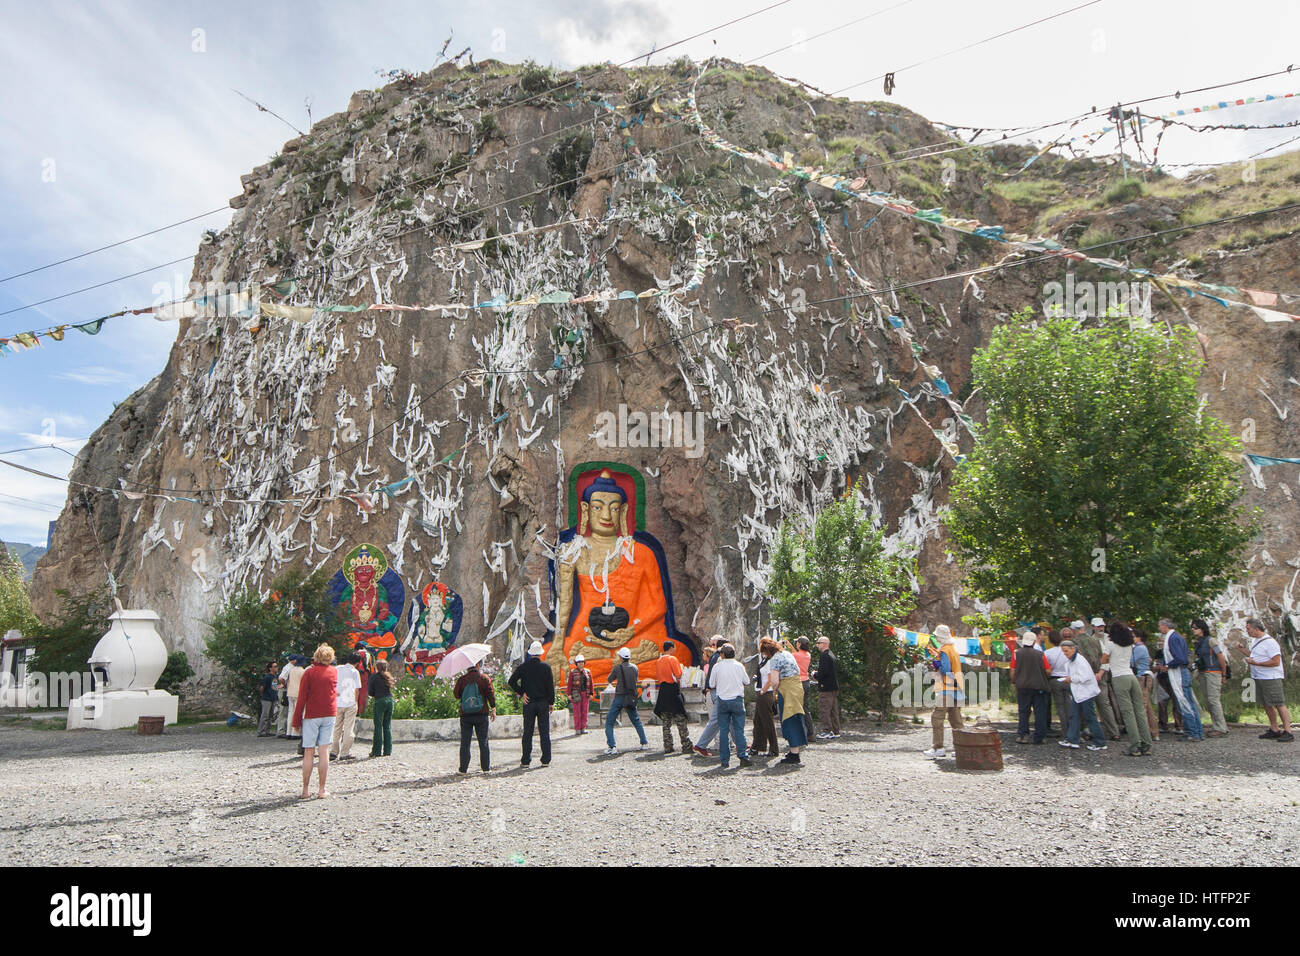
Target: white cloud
96,375
40,421
71,445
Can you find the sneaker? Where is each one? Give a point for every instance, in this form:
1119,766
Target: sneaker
935,752
825,736
523,763
835,736
611,751
1022,740
1134,751
669,750
1216,733
462,772
1269,735
790,758
1146,749
546,763
702,752
746,762
1066,743
643,747
1285,737
1096,747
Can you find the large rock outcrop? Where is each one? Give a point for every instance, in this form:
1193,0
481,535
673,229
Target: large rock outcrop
466,186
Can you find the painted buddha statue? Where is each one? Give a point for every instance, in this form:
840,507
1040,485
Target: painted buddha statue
611,589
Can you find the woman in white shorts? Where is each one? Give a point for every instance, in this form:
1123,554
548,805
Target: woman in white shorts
315,711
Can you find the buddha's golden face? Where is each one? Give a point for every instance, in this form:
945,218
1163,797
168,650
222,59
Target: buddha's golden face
604,513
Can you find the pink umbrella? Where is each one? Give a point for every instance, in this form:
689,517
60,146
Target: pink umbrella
462,659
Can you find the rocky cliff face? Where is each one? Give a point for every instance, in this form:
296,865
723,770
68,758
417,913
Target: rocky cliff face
497,184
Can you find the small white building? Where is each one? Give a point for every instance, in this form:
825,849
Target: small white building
15,690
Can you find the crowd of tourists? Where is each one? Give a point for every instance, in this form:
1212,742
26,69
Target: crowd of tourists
1102,683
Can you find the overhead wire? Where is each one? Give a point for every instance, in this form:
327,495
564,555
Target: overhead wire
673,340
550,91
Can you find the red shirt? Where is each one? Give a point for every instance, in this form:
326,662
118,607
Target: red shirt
803,659
670,669
1016,653
317,694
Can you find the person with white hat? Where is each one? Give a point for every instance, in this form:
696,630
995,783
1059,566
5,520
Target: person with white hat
623,678
948,690
534,684
1031,674
1088,641
1062,701
579,689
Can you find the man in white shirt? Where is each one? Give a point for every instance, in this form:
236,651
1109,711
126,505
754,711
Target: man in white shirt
349,682
1060,665
1082,682
1265,659
728,678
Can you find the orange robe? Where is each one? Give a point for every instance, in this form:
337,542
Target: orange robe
636,587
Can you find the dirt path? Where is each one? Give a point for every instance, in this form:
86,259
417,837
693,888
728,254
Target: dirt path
209,795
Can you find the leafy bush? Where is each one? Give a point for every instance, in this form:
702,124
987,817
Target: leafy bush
65,644
295,618
431,698
836,580
682,66
1127,191
177,672
536,79
568,160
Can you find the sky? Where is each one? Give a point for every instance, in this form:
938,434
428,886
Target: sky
122,117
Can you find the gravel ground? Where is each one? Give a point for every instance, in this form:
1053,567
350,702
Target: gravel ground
210,795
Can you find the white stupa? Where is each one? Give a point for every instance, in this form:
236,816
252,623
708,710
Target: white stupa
125,663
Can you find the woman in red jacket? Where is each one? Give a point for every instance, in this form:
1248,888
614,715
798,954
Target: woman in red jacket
315,712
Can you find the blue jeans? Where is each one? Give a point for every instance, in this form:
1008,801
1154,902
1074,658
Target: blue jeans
1180,679
1080,710
711,728
731,726
623,703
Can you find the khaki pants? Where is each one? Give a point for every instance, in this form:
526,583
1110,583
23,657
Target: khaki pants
1062,701
289,725
1129,699
1147,683
953,714
1212,688
344,731
1104,711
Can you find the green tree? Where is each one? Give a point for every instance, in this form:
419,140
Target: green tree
835,579
1099,485
177,672
295,618
15,604
64,643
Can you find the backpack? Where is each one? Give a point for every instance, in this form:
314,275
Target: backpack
471,699
627,680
